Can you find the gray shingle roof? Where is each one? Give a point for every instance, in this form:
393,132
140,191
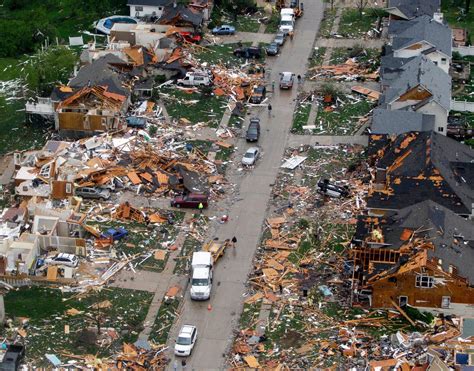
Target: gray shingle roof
421,71
415,8
422,28
399,122
150,2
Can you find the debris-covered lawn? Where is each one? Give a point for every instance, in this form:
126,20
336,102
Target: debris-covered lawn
67,324
327,23
164,320
220,55
318,56
301,114
355,25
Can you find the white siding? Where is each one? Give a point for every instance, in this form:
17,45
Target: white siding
147,10
441,115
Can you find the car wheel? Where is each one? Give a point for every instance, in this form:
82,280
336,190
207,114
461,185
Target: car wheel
102,199
177,206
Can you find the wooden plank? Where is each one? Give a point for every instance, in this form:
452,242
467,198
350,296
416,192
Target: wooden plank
134,178
402,312
52,273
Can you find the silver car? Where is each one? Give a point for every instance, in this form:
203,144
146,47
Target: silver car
97,193
280,38
250,157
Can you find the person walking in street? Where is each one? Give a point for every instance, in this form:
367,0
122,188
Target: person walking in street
200,207
273,86
299,79
234,241
269,109
183,364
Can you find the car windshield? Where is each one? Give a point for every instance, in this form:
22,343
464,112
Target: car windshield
183,340
252,131
200,282
286,23
249,155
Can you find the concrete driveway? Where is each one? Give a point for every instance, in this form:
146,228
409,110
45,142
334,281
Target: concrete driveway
216,326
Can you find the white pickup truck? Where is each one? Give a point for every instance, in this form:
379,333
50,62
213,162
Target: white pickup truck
196,79
201,276
287,20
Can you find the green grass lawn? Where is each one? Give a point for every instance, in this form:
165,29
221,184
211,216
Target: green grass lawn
273,24
45,310
142,240
301,116
453,11
339,55
247,23
164,320
206,146
221,54
249,314
206,109
343,120
327,22
318,57
353,26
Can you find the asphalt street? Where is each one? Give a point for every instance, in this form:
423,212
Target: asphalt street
216,326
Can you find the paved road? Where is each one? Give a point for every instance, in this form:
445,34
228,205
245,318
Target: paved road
216,327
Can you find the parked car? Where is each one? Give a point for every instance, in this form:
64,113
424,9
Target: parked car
13,357
89,192
250,157
191,200
187,337
249,52
286,80
259,93
69,260
253,131
224,30
115,233
280,38
272,49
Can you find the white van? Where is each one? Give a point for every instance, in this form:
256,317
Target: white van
196,79
287,23
201,277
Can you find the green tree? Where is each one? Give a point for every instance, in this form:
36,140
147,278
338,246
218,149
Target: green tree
49,68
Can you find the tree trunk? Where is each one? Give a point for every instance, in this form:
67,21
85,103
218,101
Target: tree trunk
468,5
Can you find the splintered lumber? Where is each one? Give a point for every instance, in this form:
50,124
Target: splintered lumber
254,298
369,93
251,361
273,244
403,313
134,178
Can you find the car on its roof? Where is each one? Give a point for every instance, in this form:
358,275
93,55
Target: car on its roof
184,344
258,94
251,156
286,80
280,38
69,260
272,49
224,29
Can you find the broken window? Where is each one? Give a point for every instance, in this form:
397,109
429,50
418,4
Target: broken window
440,129
139,8
68,188
424,281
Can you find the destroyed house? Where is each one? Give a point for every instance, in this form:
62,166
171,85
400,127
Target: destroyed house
182,16
91,110
422,36
415,167
419,86
400,121
409,9
405,254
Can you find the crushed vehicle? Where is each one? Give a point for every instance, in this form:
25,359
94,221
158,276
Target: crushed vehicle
115,233
201,276
190,200
253,130
286,80
254,52
259,93
332,190
223,30
196,79
185,342
69,260
251,156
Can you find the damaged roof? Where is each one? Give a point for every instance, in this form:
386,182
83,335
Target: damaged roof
424,28
420,71
150,2
179,14
102,72
452,236
424,166
409,9
399,121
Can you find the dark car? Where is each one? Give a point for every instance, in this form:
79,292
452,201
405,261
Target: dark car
249,52
191,201
13,357
258,94
253,131
272,49
332,190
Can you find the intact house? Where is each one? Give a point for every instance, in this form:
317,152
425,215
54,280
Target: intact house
409,9
399,121
415,167
147,8
422,36
420,255
418,86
